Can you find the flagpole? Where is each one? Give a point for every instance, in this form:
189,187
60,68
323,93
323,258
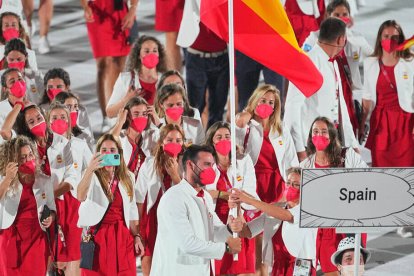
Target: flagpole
232,108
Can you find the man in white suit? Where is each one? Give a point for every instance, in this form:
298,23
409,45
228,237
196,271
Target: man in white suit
328,101
190,235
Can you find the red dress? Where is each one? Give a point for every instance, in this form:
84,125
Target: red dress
114,244
390,138
136,159
168,15
23,245
105,34
148,90
270,184
247,256
283,262
148,222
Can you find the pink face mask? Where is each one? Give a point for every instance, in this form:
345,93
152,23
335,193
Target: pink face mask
18,89
73,118
174,112
39,130
10,33
389,45
28,167
320,142
59,126
345,19
139,123
150,61
291,194
264,111
207,176
18,65
52,92
223,147
173,149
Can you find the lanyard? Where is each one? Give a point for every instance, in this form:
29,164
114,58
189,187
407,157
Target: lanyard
385,74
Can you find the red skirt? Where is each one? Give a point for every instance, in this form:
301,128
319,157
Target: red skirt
168,15
68,218
270,185
105,34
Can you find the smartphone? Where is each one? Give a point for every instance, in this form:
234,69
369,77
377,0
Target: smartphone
111,159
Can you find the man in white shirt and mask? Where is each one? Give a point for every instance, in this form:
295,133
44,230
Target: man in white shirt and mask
328,101
190,235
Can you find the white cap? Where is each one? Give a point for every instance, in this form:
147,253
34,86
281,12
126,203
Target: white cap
346,244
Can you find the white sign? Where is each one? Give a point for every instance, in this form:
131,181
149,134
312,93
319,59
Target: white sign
368,197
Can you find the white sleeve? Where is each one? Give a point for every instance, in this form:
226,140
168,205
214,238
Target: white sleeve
249,181
354,160
256,226
293,117
141,187
119,91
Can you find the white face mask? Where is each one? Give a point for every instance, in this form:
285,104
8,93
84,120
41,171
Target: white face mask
348,270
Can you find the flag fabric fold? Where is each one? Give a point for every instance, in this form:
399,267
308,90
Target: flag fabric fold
263,32
406,44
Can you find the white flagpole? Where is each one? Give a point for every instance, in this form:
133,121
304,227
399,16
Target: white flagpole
232,108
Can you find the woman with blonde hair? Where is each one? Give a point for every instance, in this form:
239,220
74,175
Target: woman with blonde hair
24,194
109,212
260,133
157,174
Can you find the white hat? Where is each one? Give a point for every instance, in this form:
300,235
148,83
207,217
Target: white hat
345,244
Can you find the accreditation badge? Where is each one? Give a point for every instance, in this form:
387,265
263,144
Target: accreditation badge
302,267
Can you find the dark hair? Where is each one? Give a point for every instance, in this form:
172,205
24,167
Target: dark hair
130,104
4,95
331,29
54,73
168,90
334,148
191,153
134,60
337,3
15,44
406,54
167,74
20,126
338,259
61,98
22,32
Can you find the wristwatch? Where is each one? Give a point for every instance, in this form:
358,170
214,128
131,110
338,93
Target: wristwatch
227,248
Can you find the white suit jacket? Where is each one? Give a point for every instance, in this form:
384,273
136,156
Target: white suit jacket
149,141
5,109
282,144
352,160
92,210
193,130
43,193
121,87
244,178
404,78
300,111
81,155
190,234
300,242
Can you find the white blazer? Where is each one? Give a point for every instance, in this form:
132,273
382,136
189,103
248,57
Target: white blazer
193,130
149,138
282,144
300,111
92,210
352,160
9,204
61,162
189,27
190,234
244,178
356,50
81,155
300,242
404,78
121,87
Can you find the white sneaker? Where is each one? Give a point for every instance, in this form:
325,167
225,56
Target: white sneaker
405,232
44,46
106,125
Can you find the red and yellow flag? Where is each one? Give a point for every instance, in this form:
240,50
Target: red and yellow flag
263,32
406,44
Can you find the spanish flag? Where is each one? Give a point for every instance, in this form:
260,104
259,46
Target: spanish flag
263,32
406,44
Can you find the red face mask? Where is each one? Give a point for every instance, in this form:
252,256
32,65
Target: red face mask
264,111
389,45
59,126
345,19
52,92
10,33
73,118
150,61
39,130
18,89
18,65
173,149
320,142
291,194
206,176
223,147
28,167
139,123
174,112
